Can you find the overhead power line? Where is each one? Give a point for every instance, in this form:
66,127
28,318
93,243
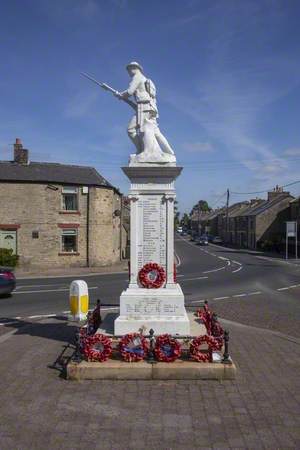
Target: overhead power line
264,191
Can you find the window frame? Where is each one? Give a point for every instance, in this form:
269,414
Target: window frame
67,190
64,232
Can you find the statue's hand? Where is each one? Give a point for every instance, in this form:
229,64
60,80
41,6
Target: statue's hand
118,95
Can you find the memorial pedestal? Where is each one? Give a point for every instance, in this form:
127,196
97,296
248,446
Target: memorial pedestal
152,196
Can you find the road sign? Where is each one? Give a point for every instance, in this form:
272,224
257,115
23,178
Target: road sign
291,229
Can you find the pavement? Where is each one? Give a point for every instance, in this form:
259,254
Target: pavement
22,273
258,302
41,410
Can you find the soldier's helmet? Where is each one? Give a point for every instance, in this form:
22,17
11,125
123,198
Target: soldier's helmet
134,64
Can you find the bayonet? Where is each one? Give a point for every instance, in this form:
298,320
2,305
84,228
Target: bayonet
110,89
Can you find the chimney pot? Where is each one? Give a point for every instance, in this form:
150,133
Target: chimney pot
20,153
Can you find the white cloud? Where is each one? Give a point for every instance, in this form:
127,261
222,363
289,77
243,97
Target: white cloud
234,90
294,151
198,147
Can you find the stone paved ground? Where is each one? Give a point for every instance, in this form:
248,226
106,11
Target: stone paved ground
40,410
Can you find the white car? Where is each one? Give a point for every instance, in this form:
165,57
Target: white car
217,240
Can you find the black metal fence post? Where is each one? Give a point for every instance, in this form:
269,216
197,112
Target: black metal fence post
226,358
151,356
77,355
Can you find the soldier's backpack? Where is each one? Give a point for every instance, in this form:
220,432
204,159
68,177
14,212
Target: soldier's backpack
150,88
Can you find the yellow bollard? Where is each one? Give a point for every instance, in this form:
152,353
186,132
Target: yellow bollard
79,299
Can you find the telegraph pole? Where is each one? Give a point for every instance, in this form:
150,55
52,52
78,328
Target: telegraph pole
227,207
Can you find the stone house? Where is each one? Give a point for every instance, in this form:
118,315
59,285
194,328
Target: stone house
262,221
294,215
59,215
238,223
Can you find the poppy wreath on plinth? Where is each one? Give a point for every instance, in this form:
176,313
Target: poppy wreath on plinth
204,356
97,347
167,349
133,347
149,270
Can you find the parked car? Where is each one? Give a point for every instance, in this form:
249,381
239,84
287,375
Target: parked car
217,240
179,230
7,281
201,240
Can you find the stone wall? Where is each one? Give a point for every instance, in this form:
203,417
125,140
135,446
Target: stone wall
38,207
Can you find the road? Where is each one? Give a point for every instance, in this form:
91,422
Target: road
239,284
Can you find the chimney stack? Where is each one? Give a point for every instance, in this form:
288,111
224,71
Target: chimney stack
278,190
20,153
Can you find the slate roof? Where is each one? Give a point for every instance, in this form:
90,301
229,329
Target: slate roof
43,172
266,204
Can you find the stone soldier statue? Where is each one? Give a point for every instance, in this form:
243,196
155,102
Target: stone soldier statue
139,129
143,129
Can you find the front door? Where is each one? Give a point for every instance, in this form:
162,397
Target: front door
8,239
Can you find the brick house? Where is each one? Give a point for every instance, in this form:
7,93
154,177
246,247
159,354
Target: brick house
58,215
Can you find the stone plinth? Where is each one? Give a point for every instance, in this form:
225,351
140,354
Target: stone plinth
152,195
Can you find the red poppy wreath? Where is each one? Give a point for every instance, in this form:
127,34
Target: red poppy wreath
152,276
167,349
133,347
204,356
97,347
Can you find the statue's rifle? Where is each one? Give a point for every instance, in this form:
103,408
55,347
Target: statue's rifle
110,89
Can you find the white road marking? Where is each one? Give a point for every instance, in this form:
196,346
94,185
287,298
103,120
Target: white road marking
39,316
222,257
178,260
237,270
47,290
240,295
39,285
236,262
255,293
196,278
8,323
219,298
292,286
215,270
197,301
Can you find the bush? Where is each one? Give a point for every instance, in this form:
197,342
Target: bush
7,258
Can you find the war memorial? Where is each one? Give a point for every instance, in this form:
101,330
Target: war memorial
153,335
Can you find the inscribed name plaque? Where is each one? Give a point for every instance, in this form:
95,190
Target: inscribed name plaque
153,305
152,230
152,241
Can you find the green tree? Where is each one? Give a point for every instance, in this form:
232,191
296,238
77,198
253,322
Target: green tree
203,206
185,221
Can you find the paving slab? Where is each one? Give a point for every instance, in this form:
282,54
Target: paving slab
39,409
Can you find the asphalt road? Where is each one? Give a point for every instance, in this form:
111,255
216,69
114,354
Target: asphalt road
213,273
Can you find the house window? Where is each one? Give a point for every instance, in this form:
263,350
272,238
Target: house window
69,241
70,198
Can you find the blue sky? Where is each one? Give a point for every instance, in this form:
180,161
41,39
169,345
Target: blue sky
227,74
